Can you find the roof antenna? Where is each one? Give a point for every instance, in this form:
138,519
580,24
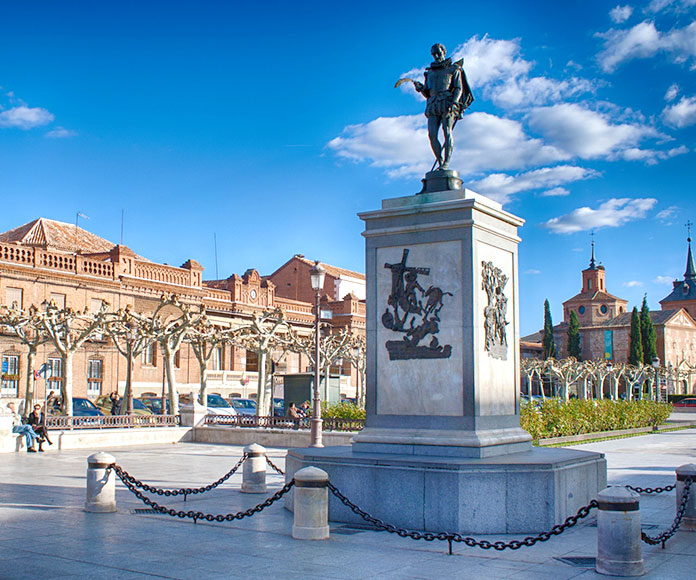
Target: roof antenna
217,277
78,215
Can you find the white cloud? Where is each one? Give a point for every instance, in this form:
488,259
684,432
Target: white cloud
483,142
60,133
672,92
643,41
500,186
555,192
669,6
532,271
632,284
23,117
585,133
667,213
497,69
620,14
681,114
663,280
610,214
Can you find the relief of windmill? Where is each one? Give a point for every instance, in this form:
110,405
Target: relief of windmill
414,312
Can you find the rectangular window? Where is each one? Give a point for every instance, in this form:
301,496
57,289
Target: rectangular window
148,356
59,299
217,357
10,375
56,381
589,285
94,377
252,361
14,295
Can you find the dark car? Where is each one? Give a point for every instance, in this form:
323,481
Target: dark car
81,408
689,403
154,404
244,406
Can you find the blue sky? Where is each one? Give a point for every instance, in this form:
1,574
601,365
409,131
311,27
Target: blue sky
273,125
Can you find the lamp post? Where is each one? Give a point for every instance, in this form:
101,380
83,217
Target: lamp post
316,275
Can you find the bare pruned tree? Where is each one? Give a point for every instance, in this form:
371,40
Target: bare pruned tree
26,326
68,330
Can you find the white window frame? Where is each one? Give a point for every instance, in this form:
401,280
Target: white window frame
95,376
10,380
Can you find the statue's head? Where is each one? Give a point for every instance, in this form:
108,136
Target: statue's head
438,51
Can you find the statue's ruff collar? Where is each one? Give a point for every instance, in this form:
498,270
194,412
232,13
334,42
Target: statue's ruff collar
443,64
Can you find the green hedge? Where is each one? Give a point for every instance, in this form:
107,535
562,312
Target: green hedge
555,418
342,411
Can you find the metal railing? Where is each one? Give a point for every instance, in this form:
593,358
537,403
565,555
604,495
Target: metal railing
108,422
252,421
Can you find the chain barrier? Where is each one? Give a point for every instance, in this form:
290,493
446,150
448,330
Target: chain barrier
274,467
197,515
654,490
664,536
556,530
185,491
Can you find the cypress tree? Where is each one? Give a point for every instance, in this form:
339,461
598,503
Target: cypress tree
647,331
574,337
635,349
548,345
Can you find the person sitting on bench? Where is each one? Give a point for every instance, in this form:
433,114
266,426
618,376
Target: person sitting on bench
26,430
38,422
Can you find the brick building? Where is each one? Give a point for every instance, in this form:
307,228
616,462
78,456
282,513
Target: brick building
605,322
48,260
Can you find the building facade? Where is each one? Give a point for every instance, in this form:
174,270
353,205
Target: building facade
46,260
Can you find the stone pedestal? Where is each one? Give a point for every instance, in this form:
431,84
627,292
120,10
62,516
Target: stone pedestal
442,447
101,484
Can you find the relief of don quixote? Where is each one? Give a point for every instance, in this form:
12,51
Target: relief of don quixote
415,312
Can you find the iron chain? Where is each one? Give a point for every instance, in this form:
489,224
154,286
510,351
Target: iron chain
185,491
274,467
556,530
197,515
650,489
664,536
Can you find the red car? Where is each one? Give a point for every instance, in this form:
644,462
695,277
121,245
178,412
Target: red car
690,402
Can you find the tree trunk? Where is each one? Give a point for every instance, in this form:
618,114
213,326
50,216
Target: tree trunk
261,384
67,386
171,380
29,392
203,395
123,407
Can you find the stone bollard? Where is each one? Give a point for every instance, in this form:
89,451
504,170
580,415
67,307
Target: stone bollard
311,505
101,489
689,522
619,550
254,469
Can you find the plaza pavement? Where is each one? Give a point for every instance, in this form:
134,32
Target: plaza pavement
44,532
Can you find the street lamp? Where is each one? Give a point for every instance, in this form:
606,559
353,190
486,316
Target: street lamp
316,275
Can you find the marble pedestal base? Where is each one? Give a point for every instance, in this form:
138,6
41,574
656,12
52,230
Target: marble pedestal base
517,493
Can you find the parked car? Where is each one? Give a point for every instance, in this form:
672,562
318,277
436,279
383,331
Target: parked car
104,404
244,406
216,405
154,404
81,408
689,403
